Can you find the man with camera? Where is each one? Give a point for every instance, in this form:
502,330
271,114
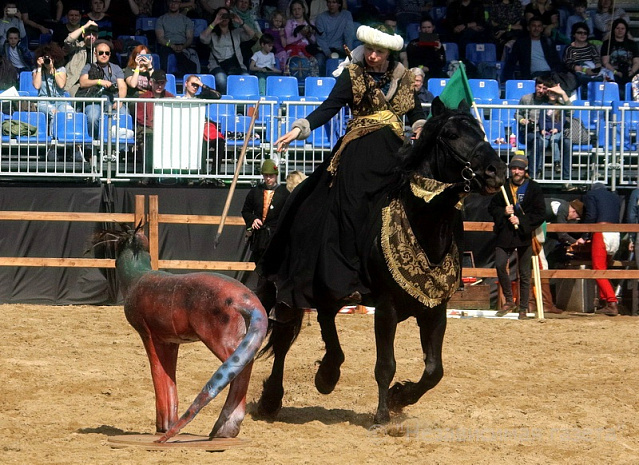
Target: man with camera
101,79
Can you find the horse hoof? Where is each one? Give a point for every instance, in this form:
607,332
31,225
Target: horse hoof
326,384
382,418
268,409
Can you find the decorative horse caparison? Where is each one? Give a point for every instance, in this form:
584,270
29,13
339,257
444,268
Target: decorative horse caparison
449,160
172,309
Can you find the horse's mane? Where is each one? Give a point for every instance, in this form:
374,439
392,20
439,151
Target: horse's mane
412,156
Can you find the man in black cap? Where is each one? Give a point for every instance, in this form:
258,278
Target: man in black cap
514,226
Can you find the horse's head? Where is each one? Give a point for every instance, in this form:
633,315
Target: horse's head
452,149
124,238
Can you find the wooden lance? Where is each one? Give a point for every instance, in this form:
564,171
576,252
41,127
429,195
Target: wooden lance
503,191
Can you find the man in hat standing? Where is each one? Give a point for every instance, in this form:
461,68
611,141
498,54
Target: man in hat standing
514,226
261,211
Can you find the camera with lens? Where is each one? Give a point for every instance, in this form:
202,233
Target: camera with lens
227,16
47,60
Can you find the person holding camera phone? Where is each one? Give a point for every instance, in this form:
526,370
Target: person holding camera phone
224,39
101,79
11,18
137,73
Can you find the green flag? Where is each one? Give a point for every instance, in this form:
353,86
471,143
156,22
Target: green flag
457,89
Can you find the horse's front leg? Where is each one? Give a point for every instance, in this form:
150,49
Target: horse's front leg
385,329
283,335
432,326
329,372
163,361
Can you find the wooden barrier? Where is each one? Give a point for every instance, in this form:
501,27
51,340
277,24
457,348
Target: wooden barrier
153,219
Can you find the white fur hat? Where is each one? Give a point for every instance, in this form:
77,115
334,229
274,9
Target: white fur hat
372,36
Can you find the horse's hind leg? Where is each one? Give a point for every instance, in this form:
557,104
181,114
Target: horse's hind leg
230,419
163,361
282,336
329,372
385,329
432,326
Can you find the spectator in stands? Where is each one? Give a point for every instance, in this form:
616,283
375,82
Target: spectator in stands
506,18
193,83
317,7
250,30
357,174
335,29
527,123
39,17
8,79
300,34
144,112
62,30
141,8
17,53
602,206
98,15
278,31
551,130
263,63
466,23
581,15
49,78
549,15
79,45
174,34
138,71
514,226
621,56
11,18
391,23
582,59
224,39
107,80
535,54
429,54
423,94
410,11
604,17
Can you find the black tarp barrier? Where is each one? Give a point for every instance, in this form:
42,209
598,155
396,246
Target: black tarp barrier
59,239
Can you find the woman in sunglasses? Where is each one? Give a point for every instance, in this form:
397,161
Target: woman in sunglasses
582,58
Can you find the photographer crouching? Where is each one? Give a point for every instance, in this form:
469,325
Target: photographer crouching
101,79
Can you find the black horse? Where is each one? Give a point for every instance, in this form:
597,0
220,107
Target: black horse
409,274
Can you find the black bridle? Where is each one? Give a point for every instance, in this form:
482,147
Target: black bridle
467,173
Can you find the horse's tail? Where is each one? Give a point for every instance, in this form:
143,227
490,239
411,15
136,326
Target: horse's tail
296,327
228,371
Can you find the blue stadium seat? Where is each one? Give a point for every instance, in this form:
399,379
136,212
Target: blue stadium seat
71,128
45,38
122,135
216,112
145,24
481,53
171,85
37,119
628,89
517,88
282,86
436,85
26,83
267,112
589,117
505,115
199,25
412,31
235,129
603,93
484,90
331,65
142,39
318,87
207,79
243,87
155,59
320,137
496,135
452,51
629,121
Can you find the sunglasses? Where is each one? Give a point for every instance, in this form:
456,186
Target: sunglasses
195,84
101,52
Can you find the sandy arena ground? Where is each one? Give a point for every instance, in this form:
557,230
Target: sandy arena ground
563,391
